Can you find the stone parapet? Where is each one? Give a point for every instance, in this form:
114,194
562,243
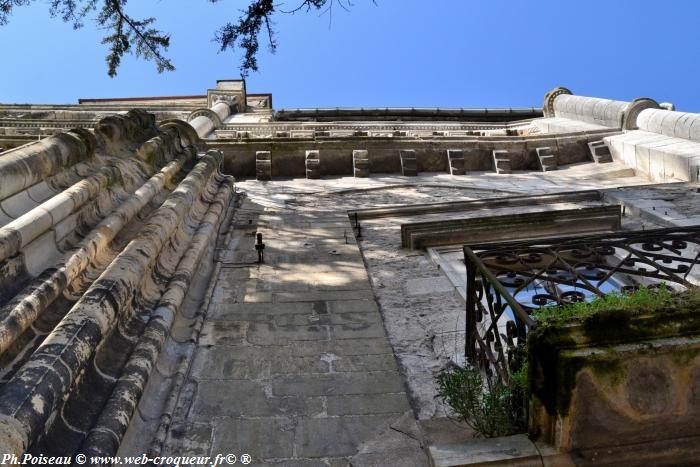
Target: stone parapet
289,157
621,391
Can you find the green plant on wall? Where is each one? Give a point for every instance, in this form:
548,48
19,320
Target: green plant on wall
640,301
493,408
488,406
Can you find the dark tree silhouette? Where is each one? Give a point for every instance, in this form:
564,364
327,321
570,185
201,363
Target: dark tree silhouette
140,37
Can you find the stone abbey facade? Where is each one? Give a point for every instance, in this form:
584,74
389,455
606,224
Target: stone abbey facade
204,275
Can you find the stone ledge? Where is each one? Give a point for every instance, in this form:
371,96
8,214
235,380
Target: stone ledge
516,450
473,230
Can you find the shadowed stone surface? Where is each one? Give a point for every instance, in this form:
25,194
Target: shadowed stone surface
293,365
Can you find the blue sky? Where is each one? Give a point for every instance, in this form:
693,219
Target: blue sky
446,53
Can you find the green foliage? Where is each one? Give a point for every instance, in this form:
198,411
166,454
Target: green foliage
643,300
520,378
127,35
488,406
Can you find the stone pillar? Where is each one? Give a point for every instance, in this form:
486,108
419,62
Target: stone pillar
455,161
263,165
360,163
409,167
223,101
313,164
30,164
205,121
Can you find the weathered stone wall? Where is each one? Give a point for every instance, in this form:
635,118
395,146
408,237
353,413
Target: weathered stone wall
101,234
618,390
288,156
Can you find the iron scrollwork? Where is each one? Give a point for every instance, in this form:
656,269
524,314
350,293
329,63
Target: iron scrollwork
507,281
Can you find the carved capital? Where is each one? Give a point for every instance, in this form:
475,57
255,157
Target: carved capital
235,99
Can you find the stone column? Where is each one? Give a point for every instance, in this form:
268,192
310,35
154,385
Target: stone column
30,164
205,121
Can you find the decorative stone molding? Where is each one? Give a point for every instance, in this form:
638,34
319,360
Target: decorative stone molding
547,158
63,202
208,113
235,98
549,98
259,101
103,439
419,235
591,110
629,117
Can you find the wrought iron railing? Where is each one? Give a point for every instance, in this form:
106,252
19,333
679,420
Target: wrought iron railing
507,281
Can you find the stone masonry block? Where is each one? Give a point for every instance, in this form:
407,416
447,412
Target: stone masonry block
313,164
501,161
547,159
377,382
360,163
409,167
600,152
263,165
455,161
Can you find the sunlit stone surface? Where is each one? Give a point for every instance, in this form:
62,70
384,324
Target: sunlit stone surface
134,315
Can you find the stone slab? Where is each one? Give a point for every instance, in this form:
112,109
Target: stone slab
515,450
